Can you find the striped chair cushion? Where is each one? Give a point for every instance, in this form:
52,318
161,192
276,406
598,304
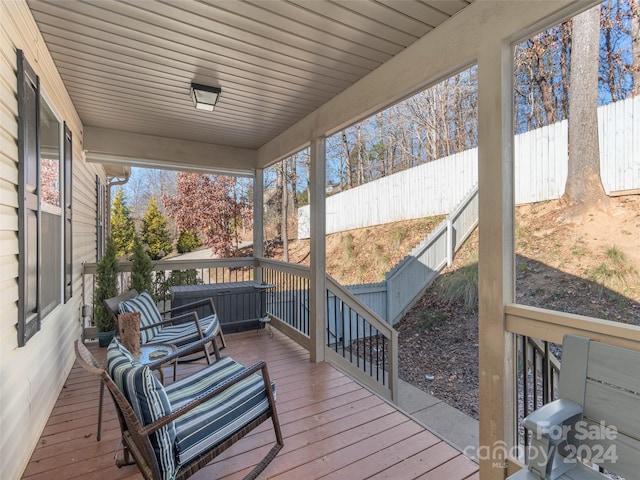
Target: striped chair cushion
187,332
148,399
149,315
186,389
218,418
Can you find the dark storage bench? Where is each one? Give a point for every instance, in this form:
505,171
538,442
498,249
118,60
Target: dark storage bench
239,304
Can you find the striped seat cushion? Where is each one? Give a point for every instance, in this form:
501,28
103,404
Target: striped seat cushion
187,332
149,315
220,417
149,401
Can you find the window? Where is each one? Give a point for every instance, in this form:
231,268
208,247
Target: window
44,207
50,211
28,218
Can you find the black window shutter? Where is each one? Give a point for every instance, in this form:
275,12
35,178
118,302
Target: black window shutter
68,224
28,201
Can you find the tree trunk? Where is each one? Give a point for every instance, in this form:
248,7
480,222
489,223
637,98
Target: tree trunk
350,168
565,46
611,73
277,201
584,186
284,229
635,44
294,181
360,155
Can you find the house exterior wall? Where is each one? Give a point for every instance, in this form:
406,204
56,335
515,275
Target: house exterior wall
31,377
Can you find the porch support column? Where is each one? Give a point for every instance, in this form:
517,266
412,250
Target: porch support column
318,258
496,254
258,220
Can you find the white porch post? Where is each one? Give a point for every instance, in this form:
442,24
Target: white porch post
258,220
496,254
317,293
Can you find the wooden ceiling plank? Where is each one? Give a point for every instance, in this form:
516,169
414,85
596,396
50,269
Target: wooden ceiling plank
143,37
339,14
450,7
332,26
87,59
412,8
99,46
391,17
255,26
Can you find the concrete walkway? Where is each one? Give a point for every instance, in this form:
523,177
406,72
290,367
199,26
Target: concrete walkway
456,428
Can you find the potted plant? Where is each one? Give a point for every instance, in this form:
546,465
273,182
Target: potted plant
106,287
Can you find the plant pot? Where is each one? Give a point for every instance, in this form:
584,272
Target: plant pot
104,338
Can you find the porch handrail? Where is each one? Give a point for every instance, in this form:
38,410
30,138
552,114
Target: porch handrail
551,326
285,267
545,325
286,301
358,307
390,390
170,264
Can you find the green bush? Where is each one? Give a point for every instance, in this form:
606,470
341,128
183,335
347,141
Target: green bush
106,287
188,241
163,282
615,271
462,285
155,232
141,267
123,228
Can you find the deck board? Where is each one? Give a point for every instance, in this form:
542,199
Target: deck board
332,427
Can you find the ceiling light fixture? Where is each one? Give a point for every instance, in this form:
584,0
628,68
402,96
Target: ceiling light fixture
204,97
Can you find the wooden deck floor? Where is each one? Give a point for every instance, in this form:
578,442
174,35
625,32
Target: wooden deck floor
332,427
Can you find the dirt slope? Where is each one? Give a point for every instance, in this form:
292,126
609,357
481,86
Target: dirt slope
558,266
364,255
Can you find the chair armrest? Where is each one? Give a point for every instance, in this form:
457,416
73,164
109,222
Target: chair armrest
217,390
553,416
187,317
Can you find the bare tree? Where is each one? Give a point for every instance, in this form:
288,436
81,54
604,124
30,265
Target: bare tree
584,187
208,205
284,207
350,176
635,44
541,78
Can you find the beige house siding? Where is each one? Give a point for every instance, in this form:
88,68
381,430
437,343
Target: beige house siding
31,377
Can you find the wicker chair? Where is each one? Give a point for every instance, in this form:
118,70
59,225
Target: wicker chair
184,330
200,415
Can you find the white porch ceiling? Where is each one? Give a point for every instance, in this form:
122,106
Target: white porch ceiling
128,64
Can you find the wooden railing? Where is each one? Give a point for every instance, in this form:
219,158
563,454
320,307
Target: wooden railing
537,330
288,300
537,375
357,340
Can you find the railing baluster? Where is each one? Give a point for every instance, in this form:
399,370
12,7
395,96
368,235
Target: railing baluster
546,367
525,391
537,372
